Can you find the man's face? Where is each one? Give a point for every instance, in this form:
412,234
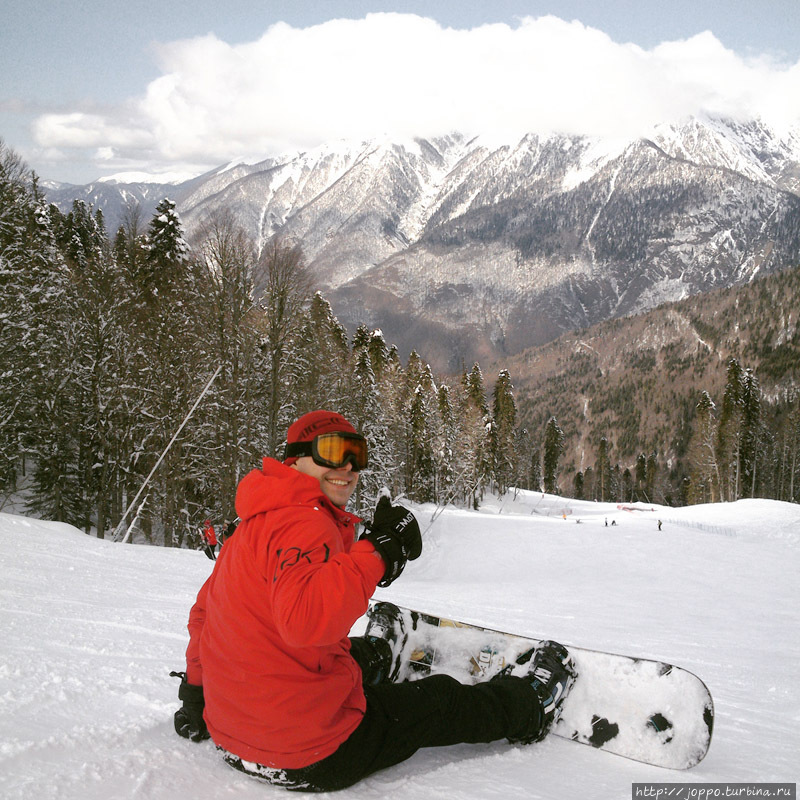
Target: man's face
337,485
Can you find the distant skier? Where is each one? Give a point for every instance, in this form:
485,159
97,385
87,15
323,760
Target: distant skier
209,539
271,674
659,524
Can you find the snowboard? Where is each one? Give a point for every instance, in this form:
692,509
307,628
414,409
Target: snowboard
641,709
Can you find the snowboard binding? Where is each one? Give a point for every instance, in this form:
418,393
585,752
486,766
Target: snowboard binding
551,674
387,626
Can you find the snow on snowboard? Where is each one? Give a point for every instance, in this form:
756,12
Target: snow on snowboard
645,710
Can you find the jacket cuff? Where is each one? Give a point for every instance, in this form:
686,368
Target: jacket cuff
190,693
369,559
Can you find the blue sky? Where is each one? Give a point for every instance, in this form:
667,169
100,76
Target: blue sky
94,88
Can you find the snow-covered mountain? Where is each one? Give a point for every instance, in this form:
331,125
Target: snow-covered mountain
91,629
464,248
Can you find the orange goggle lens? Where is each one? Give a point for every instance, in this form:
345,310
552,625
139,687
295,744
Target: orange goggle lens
336,449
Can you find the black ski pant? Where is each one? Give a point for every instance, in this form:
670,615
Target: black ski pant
402,718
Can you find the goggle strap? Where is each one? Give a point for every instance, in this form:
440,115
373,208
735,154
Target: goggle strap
297,450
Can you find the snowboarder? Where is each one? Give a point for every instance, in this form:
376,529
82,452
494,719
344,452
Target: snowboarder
209,539
271,675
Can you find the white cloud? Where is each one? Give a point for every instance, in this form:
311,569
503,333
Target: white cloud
80,129
404,75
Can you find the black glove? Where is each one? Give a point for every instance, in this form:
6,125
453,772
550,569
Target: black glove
189,721
394,533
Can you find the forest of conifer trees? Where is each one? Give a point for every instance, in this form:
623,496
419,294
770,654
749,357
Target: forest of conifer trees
108,340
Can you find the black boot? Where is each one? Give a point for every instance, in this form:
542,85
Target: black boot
551,674
387,623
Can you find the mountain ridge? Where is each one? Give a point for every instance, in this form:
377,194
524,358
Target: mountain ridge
463,250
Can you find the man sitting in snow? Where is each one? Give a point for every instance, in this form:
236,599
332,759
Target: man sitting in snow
271,674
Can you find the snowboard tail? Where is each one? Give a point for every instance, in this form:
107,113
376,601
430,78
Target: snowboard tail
642,709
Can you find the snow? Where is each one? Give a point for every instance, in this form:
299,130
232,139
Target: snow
148,177
90,630
596,154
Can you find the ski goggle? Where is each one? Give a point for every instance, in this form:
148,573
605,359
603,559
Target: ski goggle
332,450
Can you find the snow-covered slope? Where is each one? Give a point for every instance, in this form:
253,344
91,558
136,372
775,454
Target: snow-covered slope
91,629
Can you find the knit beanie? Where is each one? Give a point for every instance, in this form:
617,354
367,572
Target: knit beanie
313,424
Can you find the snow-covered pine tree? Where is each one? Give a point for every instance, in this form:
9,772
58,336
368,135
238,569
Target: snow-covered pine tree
378,353
472,441
752,434
704,472
444,446
19,337
553,447
651,483
602,467
130,245
588,483
54,437
503,439
99,317
626,486
323,371
361,338
729,434
616,483
535,476
365,410
391,387
168,359
789,458
166,250
400,425
577,486
226,440
640,488
422,431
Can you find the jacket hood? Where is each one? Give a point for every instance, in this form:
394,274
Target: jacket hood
277,486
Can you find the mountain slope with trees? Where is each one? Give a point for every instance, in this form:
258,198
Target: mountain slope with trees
627,391
107,341
463,249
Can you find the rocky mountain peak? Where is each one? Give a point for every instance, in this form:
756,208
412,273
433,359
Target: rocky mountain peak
462,248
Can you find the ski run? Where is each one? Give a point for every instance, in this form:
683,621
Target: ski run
90,630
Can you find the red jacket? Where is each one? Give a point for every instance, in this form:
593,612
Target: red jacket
209,535
268,632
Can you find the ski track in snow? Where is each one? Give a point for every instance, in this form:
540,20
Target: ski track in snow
90,630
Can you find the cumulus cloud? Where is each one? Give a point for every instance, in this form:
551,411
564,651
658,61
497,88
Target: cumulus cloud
404,75
80,129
